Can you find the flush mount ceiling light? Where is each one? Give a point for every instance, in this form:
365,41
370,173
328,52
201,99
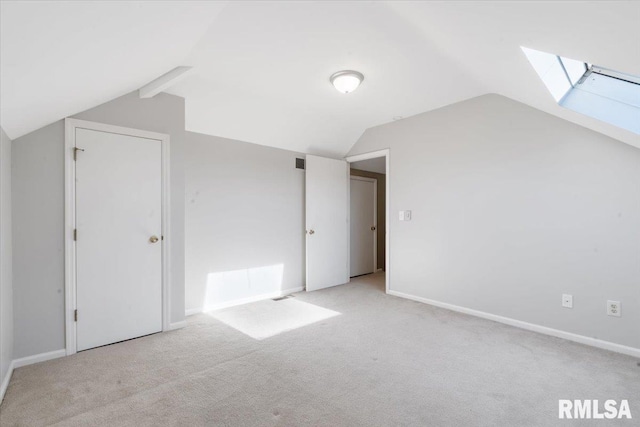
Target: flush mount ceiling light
346,81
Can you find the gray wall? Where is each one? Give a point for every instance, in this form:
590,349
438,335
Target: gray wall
511,208
381,189
6,286
244,215
38,213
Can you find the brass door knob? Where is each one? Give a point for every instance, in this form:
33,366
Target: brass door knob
373,228
153,239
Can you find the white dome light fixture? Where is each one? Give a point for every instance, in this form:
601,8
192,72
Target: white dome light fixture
346,81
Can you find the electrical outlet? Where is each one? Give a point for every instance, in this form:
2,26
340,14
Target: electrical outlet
407,215
567,301
613,308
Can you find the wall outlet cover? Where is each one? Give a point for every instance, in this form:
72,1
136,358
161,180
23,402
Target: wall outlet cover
407,215
613,308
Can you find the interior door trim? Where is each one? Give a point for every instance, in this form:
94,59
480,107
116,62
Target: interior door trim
387,256
69,221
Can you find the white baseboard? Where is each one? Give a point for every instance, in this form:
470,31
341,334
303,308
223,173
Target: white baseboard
594,342
277,294
37,358
24,361
177,325
5,381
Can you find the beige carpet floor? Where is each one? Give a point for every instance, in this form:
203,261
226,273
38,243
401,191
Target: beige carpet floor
383,361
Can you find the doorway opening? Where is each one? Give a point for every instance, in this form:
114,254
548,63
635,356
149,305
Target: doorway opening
369,216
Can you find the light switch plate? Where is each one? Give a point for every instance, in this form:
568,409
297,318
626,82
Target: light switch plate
401,216
567,301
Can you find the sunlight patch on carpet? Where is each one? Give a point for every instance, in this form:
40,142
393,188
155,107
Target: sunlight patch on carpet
264,319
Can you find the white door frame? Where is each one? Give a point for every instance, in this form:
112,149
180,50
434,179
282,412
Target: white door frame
375,218
70,220
387,249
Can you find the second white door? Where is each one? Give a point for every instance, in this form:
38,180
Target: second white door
119,240
363,225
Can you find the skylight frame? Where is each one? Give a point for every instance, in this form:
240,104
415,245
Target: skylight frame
599,92
629,78
564,62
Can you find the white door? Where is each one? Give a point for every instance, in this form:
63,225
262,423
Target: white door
327,222
363,225
118,219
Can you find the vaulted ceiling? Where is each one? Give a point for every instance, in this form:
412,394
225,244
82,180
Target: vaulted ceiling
61,58
261,69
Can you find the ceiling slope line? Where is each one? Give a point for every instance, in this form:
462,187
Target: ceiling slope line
165,81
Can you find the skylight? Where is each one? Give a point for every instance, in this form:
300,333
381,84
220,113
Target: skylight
604,94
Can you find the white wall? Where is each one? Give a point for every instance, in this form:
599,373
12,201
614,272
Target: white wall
511,208
244,221
38,217
6,286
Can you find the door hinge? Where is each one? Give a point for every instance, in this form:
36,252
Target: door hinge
75,152
75,315
75,234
